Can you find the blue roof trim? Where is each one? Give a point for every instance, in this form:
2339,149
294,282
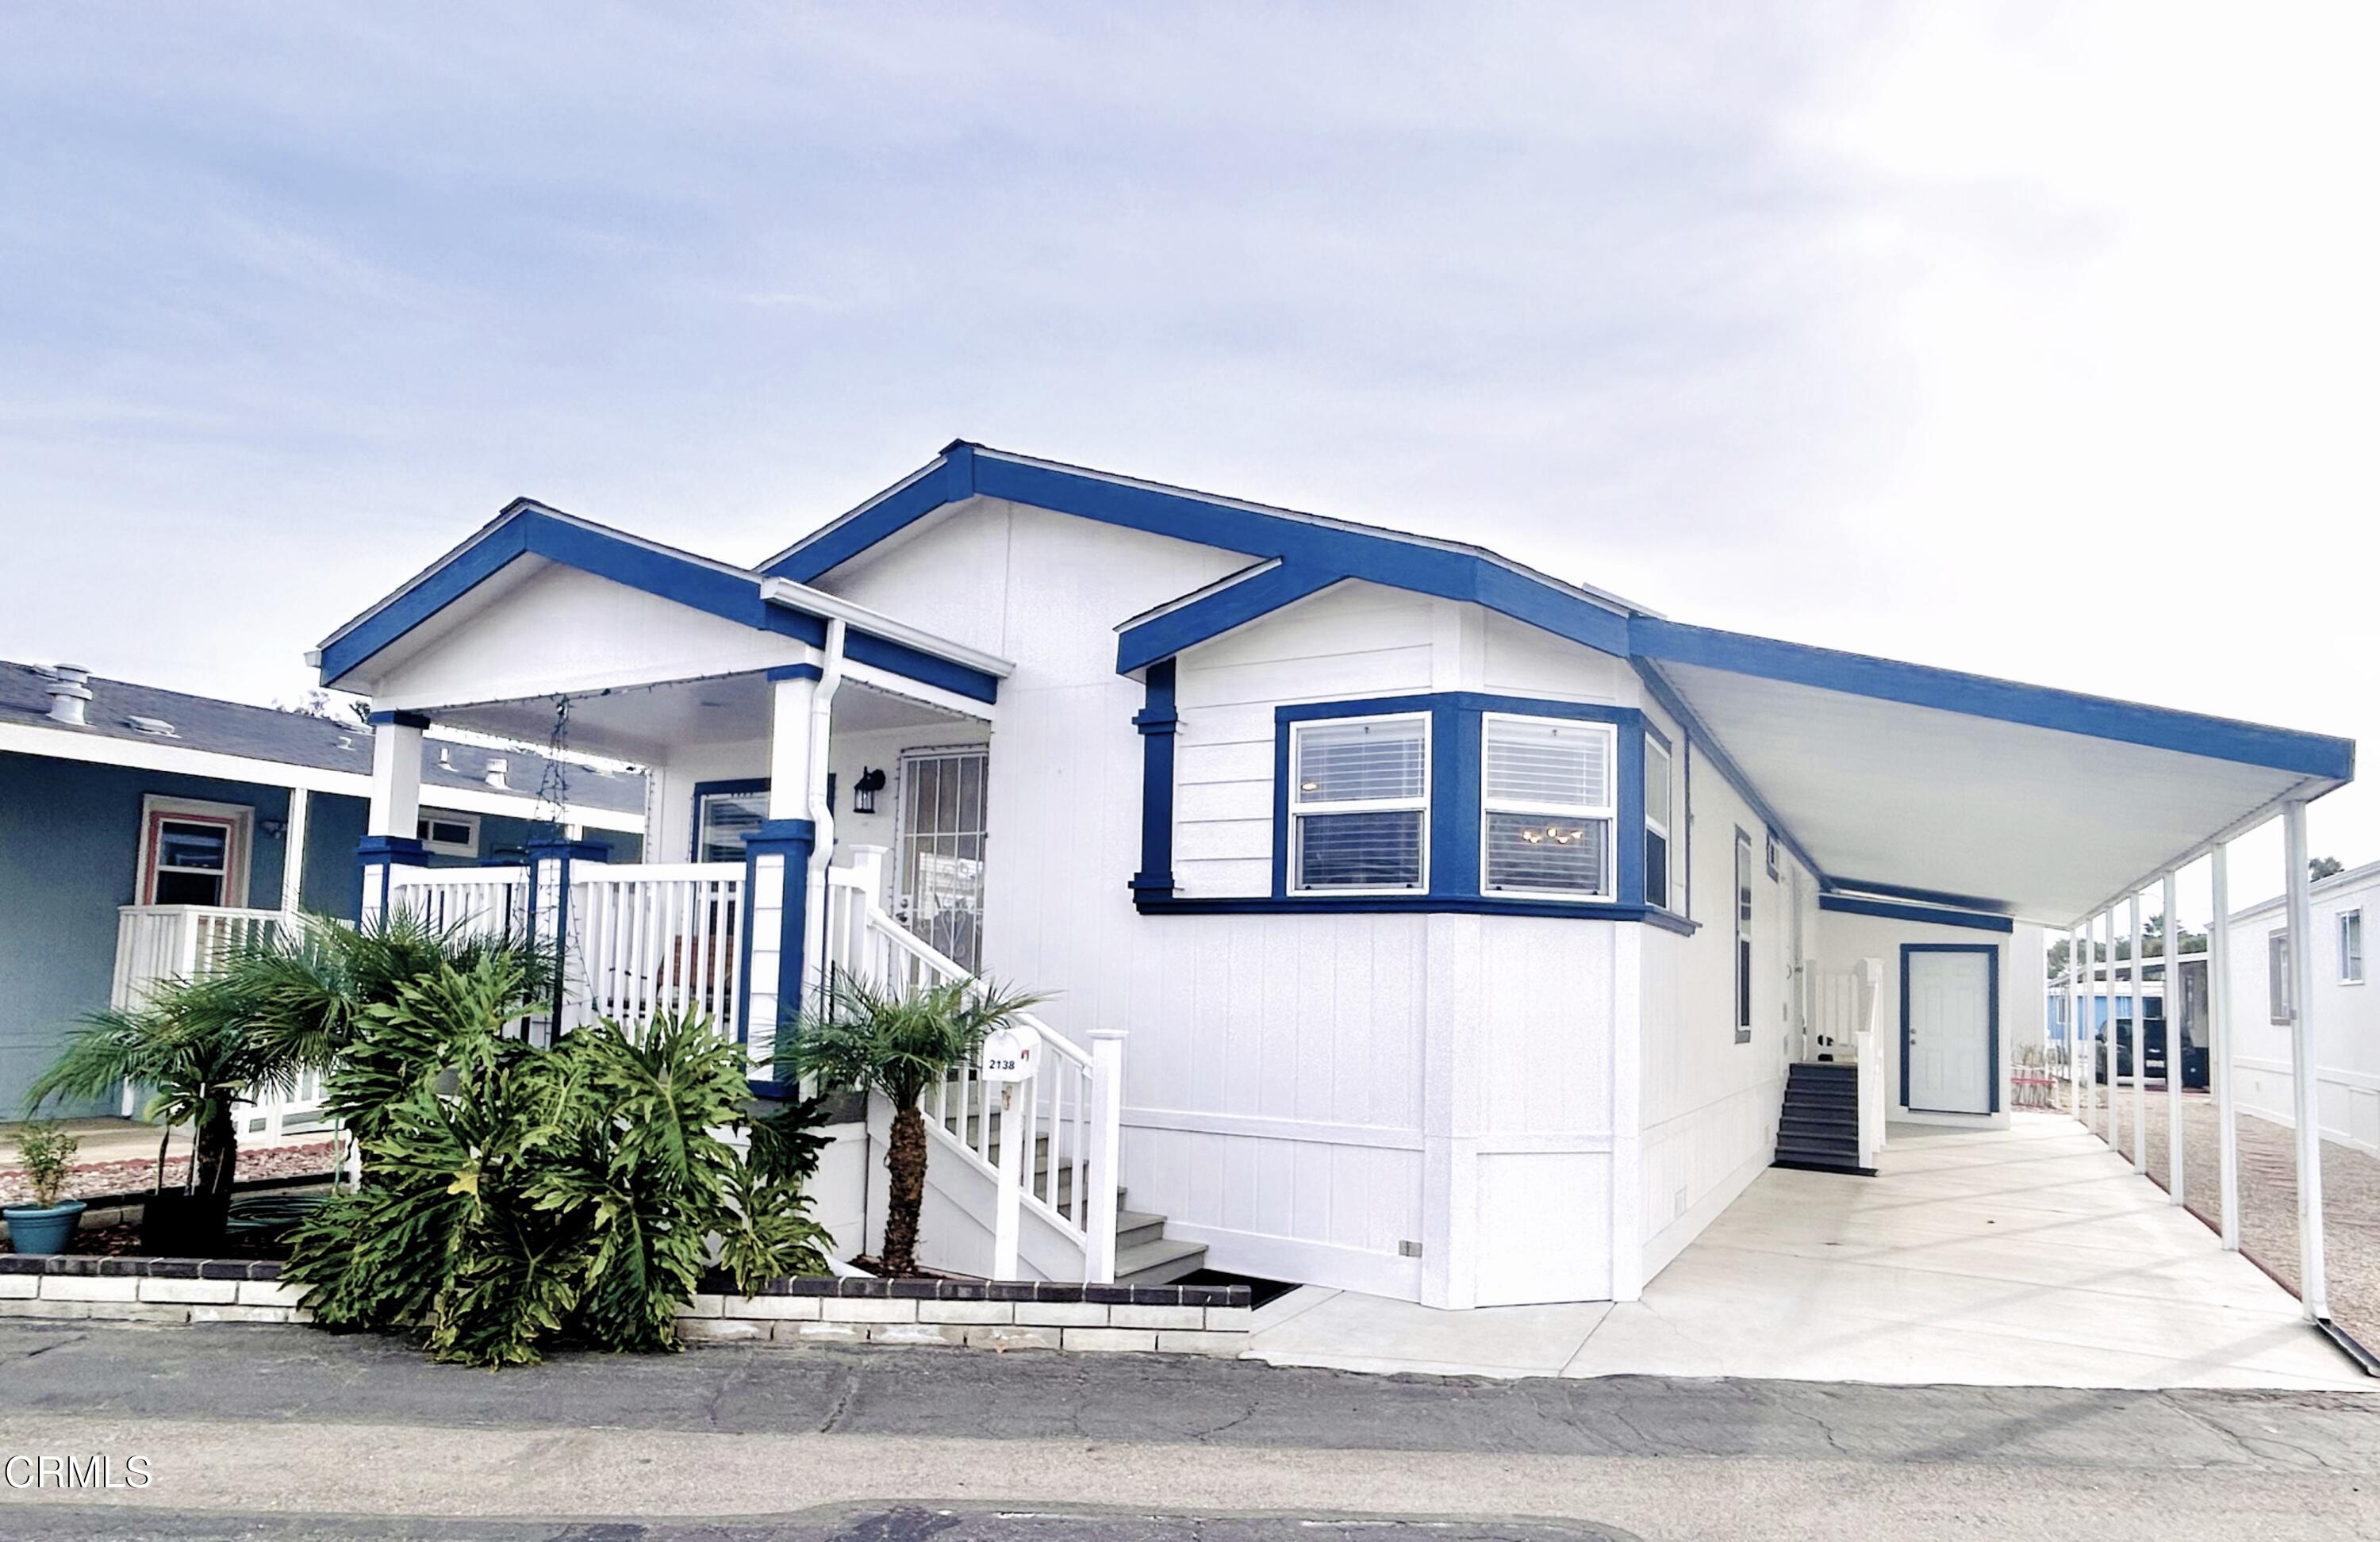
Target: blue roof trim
1845,905
1211,616
530,529
1928,896
2002,700
1320,553
731,594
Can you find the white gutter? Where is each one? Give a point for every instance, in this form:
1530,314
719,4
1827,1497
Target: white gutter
822,815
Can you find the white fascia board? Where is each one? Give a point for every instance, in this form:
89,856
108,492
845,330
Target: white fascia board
18,739
813,602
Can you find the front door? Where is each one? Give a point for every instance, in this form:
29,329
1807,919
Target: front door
942,833
1949,1010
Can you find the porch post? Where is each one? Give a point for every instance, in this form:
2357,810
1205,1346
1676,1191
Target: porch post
2114,1133
776,873
2304,1064
2173,1044
293,852
2218,1048
2078,948
2139,1053
396,810
551,865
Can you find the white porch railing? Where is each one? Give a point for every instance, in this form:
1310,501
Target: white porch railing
1053,1152
1845,1021
158,942
643,940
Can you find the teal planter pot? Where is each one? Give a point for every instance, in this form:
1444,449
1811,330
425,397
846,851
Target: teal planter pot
42,1231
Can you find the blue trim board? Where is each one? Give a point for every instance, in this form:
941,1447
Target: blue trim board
704,789
1157,721
1213,614
401,719
1924,896
796,671
528,528
2001,701
1847,905
384,852
1992,1041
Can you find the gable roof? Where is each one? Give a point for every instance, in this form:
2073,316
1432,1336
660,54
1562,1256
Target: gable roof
274,738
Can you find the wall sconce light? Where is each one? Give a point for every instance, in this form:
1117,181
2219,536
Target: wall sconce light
864,790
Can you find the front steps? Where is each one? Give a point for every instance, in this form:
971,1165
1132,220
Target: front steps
1144,1255
1819,1130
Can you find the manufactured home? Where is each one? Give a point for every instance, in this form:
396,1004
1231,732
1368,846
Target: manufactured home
1413,921
140,829
2346,1043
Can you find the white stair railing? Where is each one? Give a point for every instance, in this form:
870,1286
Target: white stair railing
1062,1133
160,943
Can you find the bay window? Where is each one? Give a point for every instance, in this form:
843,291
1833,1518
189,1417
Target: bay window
1546,805
1359,805
1657,823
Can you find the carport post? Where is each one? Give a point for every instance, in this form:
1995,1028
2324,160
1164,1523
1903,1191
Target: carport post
2107,1132
2218,1033
2173,1024
2078,945
2312,1289
2139,1053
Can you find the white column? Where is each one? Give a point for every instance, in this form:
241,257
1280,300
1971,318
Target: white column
396,777
2113,1130
2139,1055
2173,1042
2078,1069
789,746
776,873
293,852
1107,1152
2219,1046
2304,1070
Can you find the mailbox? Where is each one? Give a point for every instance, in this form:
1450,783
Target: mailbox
1011,1054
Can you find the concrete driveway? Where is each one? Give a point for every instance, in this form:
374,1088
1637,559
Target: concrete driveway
2025,1256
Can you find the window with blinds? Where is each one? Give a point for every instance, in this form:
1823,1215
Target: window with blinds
1657,823
1546,807
1359,805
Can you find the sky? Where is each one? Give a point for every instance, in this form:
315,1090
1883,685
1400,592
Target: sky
2035,340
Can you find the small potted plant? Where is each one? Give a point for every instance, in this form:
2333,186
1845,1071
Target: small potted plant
44,1150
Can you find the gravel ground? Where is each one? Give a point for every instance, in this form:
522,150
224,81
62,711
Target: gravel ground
139,1176
2268,1199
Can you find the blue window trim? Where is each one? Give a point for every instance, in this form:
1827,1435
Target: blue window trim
704,790
1454,817
1850,905
1992,964
529,528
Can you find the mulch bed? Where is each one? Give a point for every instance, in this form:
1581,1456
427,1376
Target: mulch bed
124,1242
96,1180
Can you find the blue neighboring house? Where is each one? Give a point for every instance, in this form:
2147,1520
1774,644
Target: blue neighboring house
115,796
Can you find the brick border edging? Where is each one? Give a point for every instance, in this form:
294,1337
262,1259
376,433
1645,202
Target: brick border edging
1000,1314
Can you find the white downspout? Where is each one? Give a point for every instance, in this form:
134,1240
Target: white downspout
821,817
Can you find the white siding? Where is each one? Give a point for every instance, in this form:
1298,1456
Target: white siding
2346,1018
1353,639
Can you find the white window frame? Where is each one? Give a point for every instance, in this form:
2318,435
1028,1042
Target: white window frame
156,809
1740,900
1659,827
2277,977
1300,807
2354,915
1608,813
423,821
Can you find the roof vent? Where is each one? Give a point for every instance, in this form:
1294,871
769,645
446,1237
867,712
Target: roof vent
497,766
157,728
73,674
68,699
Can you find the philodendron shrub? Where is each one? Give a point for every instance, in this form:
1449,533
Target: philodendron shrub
517,1195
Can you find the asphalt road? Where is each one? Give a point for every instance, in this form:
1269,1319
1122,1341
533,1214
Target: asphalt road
273,1433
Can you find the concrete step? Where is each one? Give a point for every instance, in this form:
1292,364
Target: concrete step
1135,1227
1817,1129
1160,1262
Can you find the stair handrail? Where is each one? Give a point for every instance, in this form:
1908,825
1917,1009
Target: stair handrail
1097,1082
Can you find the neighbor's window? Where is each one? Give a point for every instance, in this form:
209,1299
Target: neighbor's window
1743,938
721,819
2350,947
193,853
448,834
2276,962
1656,824
1359,805
1546,801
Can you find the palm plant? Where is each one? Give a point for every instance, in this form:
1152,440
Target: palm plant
897,1043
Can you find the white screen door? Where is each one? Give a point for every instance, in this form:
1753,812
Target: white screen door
942,840
1948,1037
